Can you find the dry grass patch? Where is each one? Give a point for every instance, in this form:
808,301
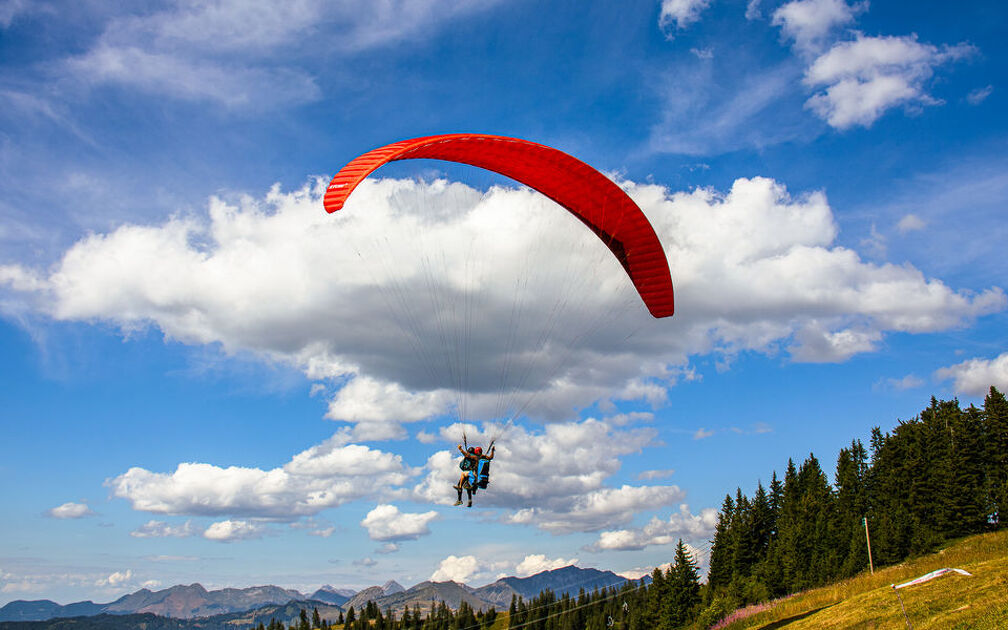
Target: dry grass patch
868,601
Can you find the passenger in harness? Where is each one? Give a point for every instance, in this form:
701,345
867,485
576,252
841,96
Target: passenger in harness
475,471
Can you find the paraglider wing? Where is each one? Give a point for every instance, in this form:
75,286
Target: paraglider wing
589,195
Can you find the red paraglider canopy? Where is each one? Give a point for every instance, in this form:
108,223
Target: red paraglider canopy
587,194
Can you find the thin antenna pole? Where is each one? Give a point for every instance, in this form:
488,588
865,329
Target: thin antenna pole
871,565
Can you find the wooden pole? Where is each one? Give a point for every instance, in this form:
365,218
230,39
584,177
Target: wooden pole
868,541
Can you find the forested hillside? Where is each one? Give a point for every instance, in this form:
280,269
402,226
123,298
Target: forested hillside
940,475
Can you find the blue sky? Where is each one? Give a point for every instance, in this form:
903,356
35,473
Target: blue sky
201,382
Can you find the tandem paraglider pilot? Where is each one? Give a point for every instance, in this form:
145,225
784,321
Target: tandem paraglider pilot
475,471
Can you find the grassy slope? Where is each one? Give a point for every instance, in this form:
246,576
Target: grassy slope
867,601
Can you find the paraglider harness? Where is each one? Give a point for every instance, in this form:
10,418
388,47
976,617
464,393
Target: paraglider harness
479,473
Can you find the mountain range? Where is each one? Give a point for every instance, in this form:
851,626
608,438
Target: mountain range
194,601
178,601
284,613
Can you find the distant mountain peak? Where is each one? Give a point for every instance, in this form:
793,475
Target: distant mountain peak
392,587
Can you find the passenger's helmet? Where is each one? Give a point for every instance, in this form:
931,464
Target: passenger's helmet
478,451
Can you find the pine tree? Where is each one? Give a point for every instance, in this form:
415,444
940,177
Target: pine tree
720,571
656,591
851,508
995,421
683,597
740,535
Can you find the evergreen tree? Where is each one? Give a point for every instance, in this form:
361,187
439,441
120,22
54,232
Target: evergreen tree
683,598
720,572
743,556
654,616
995,420
851,508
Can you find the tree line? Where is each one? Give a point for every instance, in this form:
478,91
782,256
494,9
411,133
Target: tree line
371,617
670,599
938,476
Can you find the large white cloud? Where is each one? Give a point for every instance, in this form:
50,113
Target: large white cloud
321,477
755,269
386,523
975,376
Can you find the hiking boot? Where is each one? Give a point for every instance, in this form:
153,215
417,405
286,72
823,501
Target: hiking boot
459,502
470,504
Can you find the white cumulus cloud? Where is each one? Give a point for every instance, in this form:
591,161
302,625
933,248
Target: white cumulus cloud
231,530
323,476
859,80
537,563
680,525
814,344
387,523
562,469
810,22
115,579
280,280
975,376
456,569
595,510
856,78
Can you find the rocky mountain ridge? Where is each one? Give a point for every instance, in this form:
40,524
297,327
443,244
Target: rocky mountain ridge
195,601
